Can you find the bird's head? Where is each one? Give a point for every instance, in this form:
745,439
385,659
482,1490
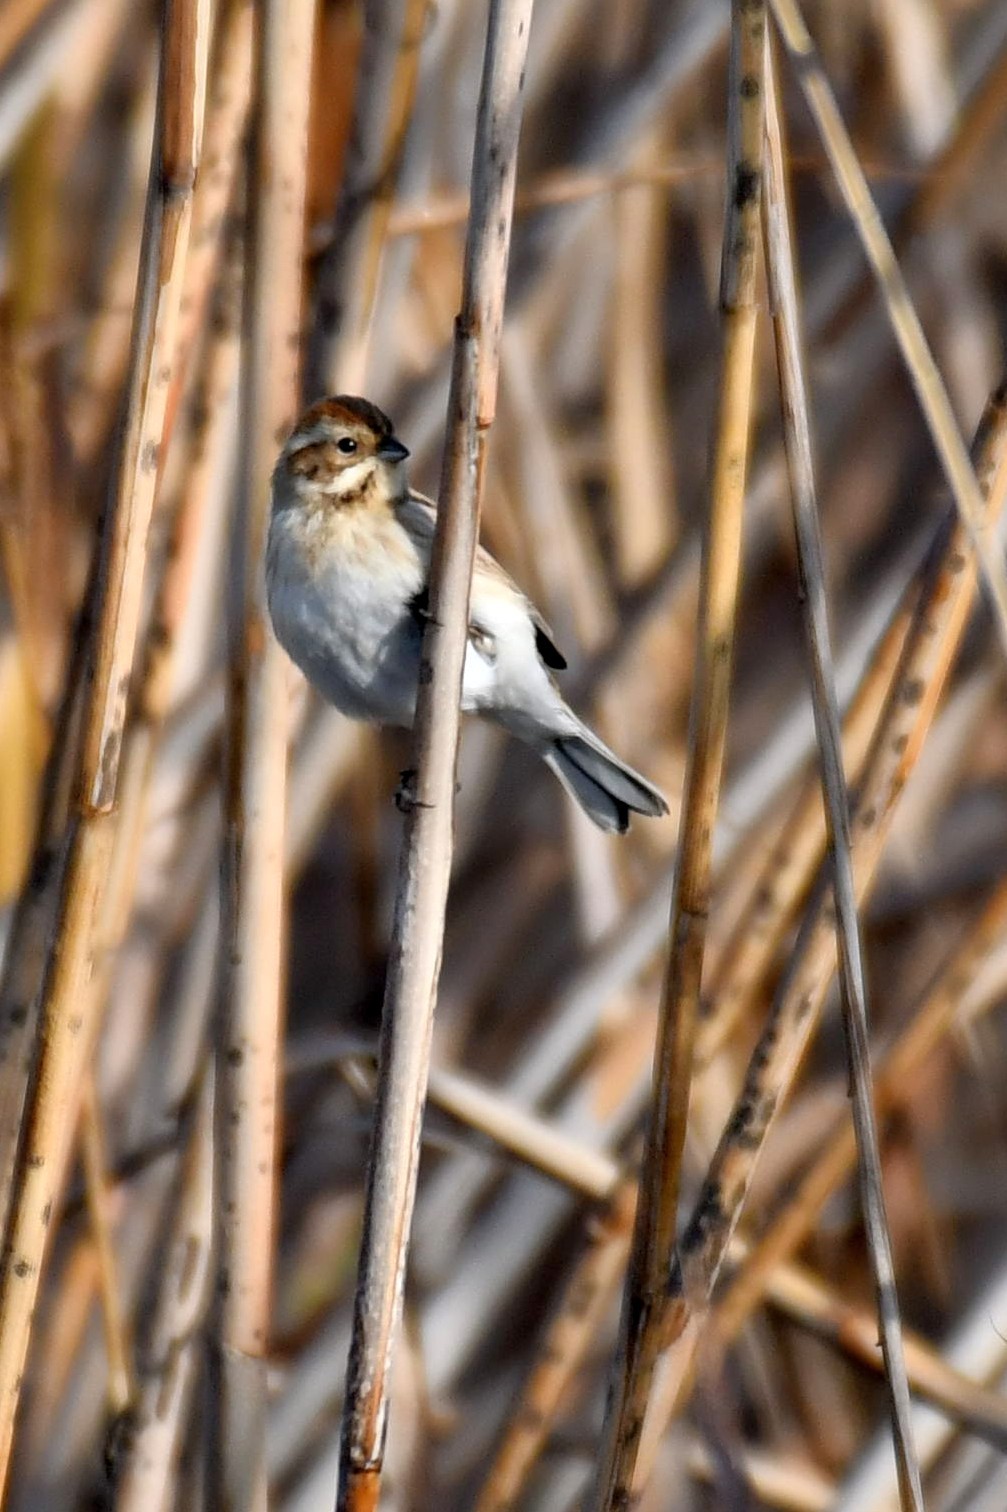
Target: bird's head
344,448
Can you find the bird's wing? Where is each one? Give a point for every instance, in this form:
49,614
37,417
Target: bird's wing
422,519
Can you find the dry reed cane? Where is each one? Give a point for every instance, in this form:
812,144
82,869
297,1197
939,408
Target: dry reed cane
896,1069
644,513
54,1099
31,925
118,1348
972,1345
347,284
584,1305
22,959
937,625
426,847
250,1020
804,1298
102,364
141,743
200,497
578,452
923,371
783,881
586,1302
152,694
656,1214
18,20
146,1474
586,1297
142,734
34,61
227,106
828,727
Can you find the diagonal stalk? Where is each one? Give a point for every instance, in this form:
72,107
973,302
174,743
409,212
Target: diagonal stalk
948,580
828,728
657,1210
922,368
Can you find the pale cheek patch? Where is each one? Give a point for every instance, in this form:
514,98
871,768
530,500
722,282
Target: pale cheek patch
349,479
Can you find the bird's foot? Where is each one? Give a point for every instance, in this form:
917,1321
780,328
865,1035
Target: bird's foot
405,794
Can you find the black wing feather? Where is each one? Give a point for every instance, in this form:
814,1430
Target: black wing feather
419,605
546,648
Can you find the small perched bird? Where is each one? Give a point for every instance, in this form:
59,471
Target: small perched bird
347,564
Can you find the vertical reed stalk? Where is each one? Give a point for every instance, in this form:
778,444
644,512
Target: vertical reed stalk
828,727
54,1099
205,446
225,112
425,862
217,192
657,1210
147,1477
349,274
252,882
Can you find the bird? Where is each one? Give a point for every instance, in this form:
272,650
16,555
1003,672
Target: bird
346,573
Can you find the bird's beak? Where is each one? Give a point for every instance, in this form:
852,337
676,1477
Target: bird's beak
392,450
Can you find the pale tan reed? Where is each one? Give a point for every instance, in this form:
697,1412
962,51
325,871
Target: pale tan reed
252,894
425,863
794,405
657,1210
53,1103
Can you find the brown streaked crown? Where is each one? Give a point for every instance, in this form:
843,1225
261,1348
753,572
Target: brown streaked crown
348,410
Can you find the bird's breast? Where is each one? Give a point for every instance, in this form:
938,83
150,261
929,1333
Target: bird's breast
340,586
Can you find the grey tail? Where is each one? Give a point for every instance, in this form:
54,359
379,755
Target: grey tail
606,788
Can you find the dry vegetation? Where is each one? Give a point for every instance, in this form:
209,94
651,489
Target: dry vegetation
185,1103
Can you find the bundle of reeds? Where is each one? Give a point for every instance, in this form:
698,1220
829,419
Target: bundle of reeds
674,1180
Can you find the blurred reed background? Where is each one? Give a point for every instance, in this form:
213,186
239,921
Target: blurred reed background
115,403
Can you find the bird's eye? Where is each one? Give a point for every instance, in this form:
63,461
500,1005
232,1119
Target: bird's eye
346,445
